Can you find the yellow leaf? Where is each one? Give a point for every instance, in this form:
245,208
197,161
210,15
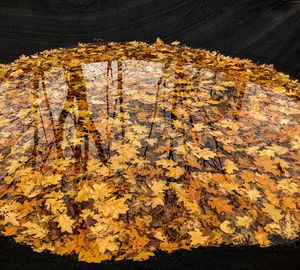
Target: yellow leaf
16,73
229,166
15,164
252,150
51,179
243,221
175,172
4,122
92,256
95,166
288,186
106,243
204,153
159,40
112,207
279,89
225,227
274,213
199,127
253,194
175,43
10,217
36,230
158,186
262,238
166,163
65,223
144,255
55,205
197,238
10,230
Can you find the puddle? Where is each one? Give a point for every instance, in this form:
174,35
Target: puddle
120,150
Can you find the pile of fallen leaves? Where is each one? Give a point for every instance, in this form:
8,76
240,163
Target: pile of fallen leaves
119,150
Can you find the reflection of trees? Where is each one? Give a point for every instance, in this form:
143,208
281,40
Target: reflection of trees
161,81
84,125
76,97
119,100
76,107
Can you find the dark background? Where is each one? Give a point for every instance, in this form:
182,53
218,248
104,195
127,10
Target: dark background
266,31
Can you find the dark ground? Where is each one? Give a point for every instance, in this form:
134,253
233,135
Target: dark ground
266,31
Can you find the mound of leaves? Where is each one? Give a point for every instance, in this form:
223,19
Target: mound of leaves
119,150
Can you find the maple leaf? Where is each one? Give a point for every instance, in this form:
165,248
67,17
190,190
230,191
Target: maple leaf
151,141
138,241
181,149
229,166
175,43
106,243
197,238
225,227
84,193
4,122
204,153
166,163
72,243
291,227
10,230
227,123
15,164
288,186
275,214
199,127
289,202
243,221
158,200
160,236
100,191
252,150
143,256
140,129
253,194
266,163
119,162
34,229
177,124
262,238
85,213
65,223
158,187
62,164
93,191
112,207
168,246
51,179
221,205
11,218
92,256
175,172
296,142
268,152
55,205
